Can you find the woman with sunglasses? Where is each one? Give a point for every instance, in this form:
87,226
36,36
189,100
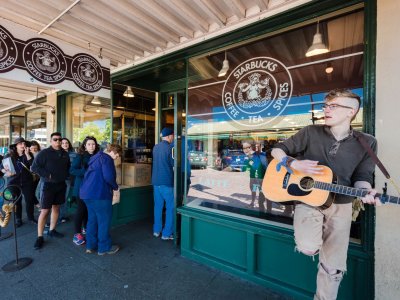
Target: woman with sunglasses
19,174
78,169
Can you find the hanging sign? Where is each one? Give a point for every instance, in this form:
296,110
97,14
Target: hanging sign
26,57
257,91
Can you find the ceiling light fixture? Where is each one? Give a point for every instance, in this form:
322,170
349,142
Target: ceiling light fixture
329,68
225,67
128,92
317,47
95,100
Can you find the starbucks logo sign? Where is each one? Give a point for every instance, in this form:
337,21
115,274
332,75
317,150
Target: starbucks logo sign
8,51
87,73
44,61
257,91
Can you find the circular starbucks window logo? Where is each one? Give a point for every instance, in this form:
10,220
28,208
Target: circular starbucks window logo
8,51
87,72
45,61
257,91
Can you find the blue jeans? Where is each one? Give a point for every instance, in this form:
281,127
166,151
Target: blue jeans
98,225
163,193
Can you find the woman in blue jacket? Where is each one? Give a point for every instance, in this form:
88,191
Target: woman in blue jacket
78,169
97,192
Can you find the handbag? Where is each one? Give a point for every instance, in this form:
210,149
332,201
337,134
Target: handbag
116,197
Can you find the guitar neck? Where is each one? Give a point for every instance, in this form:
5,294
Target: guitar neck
354,192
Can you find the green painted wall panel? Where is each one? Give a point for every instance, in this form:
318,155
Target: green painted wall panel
212,243
135,204
276,259
265,254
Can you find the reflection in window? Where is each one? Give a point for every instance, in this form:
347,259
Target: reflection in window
4,134
36,126
229,156
134,124
91,117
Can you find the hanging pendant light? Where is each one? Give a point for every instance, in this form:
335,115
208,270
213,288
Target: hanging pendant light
317,47
128,92
95,100
225,67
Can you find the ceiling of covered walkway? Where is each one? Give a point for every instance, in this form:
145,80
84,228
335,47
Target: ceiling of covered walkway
129,32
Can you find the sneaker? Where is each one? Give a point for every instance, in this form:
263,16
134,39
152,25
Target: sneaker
79,239
83,230
114,249
39,243
167,238
156,234
90,251
47,225
55,233
33,221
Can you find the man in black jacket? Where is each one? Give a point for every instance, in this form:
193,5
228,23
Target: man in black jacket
52,164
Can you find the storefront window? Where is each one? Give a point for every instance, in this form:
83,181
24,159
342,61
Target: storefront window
91,116
36,126
134,129
4,134
17,127
270,91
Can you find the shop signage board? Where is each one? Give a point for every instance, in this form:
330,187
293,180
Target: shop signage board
27,57
257,91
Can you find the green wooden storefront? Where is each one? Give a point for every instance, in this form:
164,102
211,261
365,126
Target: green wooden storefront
259,251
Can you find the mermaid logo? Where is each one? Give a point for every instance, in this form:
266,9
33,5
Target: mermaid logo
87,72
45,61
257,91
8,51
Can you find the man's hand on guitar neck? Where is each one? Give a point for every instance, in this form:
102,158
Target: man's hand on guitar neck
306,166
370,197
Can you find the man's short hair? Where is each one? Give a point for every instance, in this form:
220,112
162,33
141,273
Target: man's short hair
342,93
55,134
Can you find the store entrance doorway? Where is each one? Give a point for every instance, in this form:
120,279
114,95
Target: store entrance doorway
173,115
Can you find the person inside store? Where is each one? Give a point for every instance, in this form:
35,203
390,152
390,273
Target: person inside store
52,165
256,164
19,174
162,179
79,166
96,190
320,230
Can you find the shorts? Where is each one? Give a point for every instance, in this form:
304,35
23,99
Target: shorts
53,193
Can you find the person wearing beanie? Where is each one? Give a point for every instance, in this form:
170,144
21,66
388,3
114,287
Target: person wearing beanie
163,184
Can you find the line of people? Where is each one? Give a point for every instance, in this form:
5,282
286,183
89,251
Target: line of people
50,176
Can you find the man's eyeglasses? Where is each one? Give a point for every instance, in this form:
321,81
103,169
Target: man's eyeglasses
334,106
248,147
57,139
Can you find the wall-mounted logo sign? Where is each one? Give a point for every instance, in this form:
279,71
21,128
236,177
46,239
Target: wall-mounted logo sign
86,72
46,62
8,51
257,91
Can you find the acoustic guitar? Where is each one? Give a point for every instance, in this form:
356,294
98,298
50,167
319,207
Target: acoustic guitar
313,190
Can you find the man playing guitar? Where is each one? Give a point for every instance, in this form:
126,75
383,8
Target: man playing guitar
320,230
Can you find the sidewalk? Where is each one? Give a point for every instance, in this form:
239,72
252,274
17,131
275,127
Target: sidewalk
145,268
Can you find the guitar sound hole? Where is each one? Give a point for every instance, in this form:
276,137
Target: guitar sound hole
307,183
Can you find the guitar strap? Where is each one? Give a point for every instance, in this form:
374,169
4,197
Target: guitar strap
375,158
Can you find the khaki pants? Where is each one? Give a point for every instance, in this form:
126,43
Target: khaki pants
326,232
